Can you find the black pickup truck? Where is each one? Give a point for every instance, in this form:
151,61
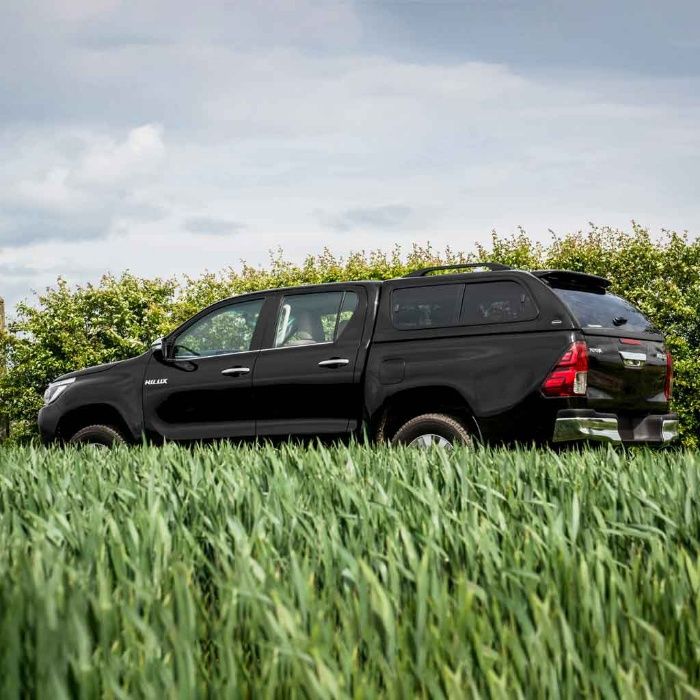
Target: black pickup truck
497,355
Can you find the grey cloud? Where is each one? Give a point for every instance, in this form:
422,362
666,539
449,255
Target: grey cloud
541,35
149,61
212,226
246,25
19,271
389,216
109,40
23,227
23,271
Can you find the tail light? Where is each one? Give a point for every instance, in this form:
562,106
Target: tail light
570,375
668,384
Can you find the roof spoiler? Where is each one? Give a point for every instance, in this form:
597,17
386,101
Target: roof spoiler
568,278
427,270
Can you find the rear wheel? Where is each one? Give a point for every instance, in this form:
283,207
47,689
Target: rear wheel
98,435
432,430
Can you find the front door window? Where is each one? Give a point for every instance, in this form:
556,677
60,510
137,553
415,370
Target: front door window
226,330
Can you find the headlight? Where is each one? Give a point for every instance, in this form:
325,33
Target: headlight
55,389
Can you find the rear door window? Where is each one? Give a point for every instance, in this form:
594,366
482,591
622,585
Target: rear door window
602,310
310,319
426,306
496,302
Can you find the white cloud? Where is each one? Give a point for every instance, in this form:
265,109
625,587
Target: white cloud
77,184
96,161
111,163
52,190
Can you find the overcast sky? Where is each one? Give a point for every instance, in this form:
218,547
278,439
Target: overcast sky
173,137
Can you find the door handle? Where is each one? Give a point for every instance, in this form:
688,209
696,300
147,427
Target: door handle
235,371
334,362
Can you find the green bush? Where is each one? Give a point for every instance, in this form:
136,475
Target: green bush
66,328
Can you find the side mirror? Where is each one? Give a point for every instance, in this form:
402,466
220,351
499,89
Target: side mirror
164,348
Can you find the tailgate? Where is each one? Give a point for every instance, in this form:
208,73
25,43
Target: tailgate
626,373
626,354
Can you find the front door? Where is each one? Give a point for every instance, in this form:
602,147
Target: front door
205,390
305,379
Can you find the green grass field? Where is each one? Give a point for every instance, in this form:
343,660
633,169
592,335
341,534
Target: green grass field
244,572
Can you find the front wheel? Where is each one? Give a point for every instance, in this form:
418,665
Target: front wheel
98,435
432,430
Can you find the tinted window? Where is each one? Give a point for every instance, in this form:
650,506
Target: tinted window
306,319
347,312
595,310
429,306
225,330
496,302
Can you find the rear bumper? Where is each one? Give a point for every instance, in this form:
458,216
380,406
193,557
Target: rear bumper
573,424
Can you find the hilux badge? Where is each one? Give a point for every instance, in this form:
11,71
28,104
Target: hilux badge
150,382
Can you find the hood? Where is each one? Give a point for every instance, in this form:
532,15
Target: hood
89,370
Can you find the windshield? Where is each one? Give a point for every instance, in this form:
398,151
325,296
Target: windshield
595,310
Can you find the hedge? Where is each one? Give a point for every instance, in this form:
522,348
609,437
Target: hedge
68,327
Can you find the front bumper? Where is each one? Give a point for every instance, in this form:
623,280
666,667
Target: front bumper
48,423
573,424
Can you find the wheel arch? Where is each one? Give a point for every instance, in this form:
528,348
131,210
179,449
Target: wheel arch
411,402
92,414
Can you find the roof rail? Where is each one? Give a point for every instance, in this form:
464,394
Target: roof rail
427,270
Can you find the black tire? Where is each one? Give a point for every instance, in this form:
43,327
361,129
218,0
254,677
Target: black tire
432,429
100,435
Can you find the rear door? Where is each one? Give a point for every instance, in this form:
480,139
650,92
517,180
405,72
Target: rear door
306,380
627,356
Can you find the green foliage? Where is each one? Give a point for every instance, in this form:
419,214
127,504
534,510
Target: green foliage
68,328
350,572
